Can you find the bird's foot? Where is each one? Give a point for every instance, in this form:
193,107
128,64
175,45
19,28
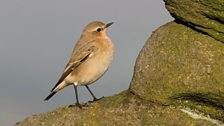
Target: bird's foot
95,99
78,105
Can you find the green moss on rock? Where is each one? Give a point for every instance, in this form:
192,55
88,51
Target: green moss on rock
128,111
204,15
179,60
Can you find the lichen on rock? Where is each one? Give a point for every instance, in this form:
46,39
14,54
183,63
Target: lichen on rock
204,15
126,110
179,63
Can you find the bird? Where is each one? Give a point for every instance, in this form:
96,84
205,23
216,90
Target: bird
90,59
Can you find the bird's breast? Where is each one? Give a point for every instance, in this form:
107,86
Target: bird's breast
93,68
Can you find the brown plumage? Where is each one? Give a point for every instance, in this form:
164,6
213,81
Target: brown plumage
90,59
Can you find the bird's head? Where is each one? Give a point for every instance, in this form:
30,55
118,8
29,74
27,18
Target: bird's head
96,29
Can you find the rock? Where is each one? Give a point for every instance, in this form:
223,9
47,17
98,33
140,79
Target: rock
124,109
203,15
182,67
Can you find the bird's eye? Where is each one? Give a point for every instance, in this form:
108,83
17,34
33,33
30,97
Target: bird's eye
99,29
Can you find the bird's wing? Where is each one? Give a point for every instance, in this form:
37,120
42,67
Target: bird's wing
78,57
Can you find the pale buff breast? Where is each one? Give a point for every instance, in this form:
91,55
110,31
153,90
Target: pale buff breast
93,68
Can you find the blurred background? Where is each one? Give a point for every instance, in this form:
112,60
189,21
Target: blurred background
37,38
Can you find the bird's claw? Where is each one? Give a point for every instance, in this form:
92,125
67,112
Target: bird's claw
95,99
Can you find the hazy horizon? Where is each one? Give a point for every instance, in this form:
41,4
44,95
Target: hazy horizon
37,38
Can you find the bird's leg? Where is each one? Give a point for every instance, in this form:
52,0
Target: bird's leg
94,98
76,95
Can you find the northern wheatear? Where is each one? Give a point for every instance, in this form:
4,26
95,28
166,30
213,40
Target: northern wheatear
90,59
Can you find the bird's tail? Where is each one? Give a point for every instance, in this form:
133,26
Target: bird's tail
56,88
50,95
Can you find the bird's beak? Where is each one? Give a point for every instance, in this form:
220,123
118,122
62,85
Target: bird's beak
108,25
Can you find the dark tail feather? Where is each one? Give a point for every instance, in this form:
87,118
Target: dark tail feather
49,96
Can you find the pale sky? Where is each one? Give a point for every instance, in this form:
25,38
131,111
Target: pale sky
37,38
